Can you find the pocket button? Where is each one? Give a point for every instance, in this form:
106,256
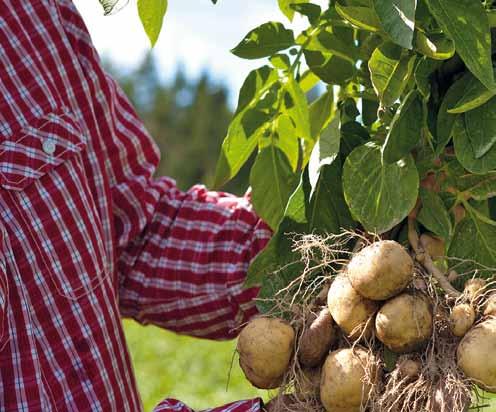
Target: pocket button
49,147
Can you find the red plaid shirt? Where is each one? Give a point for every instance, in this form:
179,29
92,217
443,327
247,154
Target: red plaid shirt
88,236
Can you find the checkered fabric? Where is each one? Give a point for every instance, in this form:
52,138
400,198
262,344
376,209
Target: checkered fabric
88,236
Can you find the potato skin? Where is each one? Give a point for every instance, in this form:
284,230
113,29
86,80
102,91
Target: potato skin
474,288
462,319
350,310
381,270
265,348
317,339
404,323
343,385
475,354
490,306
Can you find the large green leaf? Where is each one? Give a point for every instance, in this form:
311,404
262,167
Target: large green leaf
295,104
331,41
272,181
285,6
436,46
329,68
423,73
475,95
151,13
465,153
480,124
390,69
398,19
474,242
445,120
286,139
265,40
360,16
433,214
405,129
379,195
247,126
465,21
478,187
321,111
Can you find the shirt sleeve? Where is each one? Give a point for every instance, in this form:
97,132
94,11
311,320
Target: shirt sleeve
252,405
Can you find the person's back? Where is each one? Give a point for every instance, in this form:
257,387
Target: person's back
87,235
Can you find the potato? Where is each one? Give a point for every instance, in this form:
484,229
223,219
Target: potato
317,339
381,270
409,369
351,311
475,354
345,380
474,288
265,348
490,306
462,319
404,323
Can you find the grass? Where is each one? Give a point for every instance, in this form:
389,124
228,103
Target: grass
195,371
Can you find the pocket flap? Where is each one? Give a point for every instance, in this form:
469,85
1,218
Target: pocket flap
39,147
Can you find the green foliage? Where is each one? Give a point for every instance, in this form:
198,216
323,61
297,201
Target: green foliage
151,13
406,118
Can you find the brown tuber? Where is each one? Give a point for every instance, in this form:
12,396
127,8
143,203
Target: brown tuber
381,270
474,288
347,379
405,322
265,347
462,319
433,245
409,369
317,339
490,306
476,354
351,311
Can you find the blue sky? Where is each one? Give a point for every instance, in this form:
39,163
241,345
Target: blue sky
195,33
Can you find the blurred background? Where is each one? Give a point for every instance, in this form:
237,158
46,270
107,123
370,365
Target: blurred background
185,90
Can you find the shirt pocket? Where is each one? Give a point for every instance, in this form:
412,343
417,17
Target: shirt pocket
44,173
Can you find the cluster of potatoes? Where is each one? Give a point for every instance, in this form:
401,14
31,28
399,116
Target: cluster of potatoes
371,297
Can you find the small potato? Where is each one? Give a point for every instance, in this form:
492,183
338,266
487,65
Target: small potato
317,339
347,377
351,311
381,270
474,288
404,323
265,348
490,306
462,319
476,354
409,369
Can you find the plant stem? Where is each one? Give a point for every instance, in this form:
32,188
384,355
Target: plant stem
425,259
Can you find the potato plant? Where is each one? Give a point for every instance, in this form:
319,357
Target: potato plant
379,120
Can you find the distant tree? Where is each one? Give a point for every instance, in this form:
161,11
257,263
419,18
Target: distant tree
188,119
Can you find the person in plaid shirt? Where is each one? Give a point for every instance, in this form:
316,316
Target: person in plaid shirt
88,236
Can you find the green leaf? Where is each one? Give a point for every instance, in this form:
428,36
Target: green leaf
369,111
389,71
308,81
280,61
434,45
311,11
405,129
263,41
328,212
247,126
330,41
151,13
295,104
473,241
329,68
286,6
480,124
272,181
423,72
475,95
286,139
379,195
325,150
445,120
321,111
478,187
353,134
433,214
465,21
465,153
360,16
398,19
